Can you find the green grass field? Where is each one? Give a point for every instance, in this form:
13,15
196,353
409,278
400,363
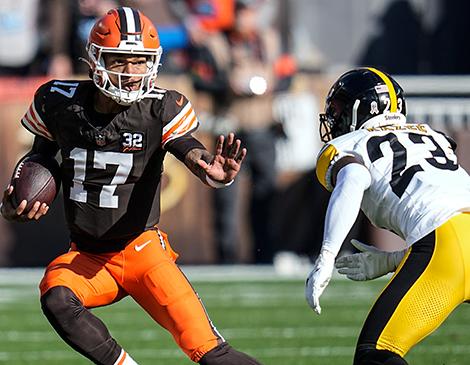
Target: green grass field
256,311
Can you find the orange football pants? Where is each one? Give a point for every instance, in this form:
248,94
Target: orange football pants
146,271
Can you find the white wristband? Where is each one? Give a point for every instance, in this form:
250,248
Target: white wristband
218,184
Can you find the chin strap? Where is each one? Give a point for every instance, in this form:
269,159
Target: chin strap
354,115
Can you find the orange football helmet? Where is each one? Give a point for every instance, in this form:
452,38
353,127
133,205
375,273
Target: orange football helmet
126,31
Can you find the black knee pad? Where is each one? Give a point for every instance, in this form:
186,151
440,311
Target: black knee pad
224,354
372,356
78,327
60,303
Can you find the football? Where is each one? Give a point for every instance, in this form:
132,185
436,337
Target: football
37,178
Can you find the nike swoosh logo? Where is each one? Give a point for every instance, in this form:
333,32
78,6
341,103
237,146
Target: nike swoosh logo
180,102
138,248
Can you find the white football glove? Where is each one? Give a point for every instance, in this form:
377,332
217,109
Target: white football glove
319,279
368,264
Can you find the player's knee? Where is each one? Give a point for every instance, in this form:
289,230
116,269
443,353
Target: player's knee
372,356
224,354
60,303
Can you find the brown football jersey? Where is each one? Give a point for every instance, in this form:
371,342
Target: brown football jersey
111,165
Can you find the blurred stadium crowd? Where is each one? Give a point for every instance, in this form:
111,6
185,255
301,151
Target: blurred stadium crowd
43,39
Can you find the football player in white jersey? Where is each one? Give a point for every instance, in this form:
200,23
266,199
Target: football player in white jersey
406,179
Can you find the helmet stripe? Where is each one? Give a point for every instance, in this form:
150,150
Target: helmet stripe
123,23
391,89
130,24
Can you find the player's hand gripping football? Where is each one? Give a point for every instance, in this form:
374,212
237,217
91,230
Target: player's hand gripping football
18,214
370,263
319,278
227,160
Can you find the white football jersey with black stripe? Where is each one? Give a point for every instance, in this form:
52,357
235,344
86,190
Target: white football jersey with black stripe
417,184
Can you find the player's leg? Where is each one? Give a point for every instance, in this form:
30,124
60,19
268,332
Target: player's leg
72,284
162,290
422,293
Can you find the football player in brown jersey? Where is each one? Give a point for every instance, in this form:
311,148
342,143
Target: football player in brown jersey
113,133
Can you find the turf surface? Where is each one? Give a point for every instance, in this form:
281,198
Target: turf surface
256,311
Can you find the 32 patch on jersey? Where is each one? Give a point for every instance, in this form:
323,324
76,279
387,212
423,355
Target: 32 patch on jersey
132,141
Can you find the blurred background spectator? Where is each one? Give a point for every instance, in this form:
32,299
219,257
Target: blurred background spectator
241,69
47,37
20,41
